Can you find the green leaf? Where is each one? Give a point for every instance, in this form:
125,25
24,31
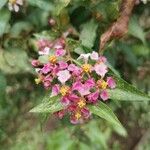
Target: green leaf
42,4
126,92
61,4
4,18
2,3
49,105
136,30
88,33
14,61
19,27
103,111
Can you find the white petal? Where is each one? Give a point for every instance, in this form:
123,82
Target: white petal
16,8
10,7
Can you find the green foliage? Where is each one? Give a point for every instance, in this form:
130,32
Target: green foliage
103,111
127,92
49,105
4,18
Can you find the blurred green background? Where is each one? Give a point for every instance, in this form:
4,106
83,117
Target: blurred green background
21,130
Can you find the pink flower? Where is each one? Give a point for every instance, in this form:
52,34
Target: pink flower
73,120
73,97
63,76
90,83
111,82
35,63
62,65
102,59
84,90
101,69
55,90
47,68
47,81
94,55
74,69
104,95
44,51
55,70
85,113
60,52
93,97
65,101
77,85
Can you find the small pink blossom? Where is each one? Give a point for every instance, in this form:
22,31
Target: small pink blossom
84,90
104,95
55,90
102,59
94,55
101,69
60,52
111,82
62,65
65,101
93,97
35,63
90,83
77,85
74,69
63,76
85,113
73,120
46,68
60,114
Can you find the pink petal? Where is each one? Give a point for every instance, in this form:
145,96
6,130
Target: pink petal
101,69
104,95
62,65
90,83
93,97
55,90
47,68
60,52
35,62
85,112
63,76
111,82
65,101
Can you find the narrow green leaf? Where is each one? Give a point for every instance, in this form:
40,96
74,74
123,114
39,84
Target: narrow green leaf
88,33
126,92
49,105
103,111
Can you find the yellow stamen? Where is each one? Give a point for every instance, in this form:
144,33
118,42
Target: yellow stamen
12,1
78,115
53,59
81,103
86,68
38,80
64,90
102,84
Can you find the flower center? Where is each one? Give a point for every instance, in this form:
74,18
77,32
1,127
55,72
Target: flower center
77,115
81,103
102,84
12,1
64,90
86,67
38,80
53,59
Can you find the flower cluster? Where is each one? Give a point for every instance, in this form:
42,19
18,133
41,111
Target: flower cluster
78,82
